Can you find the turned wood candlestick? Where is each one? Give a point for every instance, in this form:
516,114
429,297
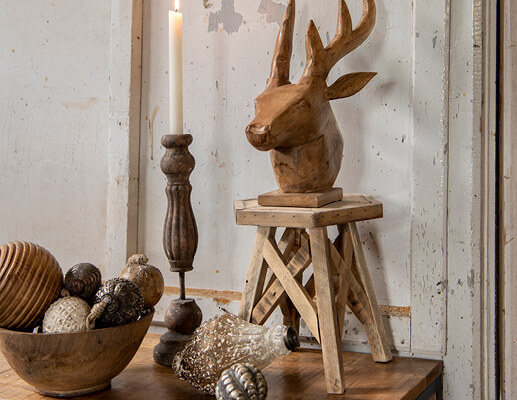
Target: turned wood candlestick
180,244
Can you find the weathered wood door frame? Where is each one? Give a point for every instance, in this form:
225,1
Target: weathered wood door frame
124,136
508,199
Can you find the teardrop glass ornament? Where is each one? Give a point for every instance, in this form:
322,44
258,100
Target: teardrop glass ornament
225,340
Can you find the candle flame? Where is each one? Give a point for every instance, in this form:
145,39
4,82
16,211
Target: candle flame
177,5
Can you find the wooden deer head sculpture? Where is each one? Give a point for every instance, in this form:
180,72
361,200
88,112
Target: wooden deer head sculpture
295,121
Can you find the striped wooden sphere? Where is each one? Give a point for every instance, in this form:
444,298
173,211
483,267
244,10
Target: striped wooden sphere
30,280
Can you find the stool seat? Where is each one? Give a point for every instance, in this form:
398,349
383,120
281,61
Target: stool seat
353,207
340,275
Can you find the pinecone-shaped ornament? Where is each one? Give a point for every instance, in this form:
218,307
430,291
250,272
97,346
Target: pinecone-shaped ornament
224,340
83,280
123,300
241,382
69,314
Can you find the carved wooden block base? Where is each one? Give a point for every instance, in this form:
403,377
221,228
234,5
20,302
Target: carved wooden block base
277,198
182,318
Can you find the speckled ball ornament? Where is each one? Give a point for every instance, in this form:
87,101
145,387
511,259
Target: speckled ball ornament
225,340
83,280
68,315
241,382
123,299
148,278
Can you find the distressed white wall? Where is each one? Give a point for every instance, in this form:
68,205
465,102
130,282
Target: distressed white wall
53,120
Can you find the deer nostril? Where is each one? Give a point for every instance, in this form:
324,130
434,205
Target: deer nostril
258,128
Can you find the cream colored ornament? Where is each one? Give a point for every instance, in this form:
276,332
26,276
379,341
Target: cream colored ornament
148,278
71,314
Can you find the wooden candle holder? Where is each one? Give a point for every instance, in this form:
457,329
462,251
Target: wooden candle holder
180,244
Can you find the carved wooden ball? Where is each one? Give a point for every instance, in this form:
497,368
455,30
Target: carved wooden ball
30,280
83,280
124,300
241,382
148,278
66,315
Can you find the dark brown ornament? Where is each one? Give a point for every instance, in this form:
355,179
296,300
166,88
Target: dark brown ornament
124,302
241,382
83,280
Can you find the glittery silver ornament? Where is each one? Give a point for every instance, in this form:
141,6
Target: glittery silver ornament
83,280
123,299
225,340
241,382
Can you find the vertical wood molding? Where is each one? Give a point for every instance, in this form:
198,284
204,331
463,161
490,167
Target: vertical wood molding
124,122
429,161
463,379
508,201
488,247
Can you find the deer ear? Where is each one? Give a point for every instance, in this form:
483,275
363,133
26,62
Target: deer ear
348,85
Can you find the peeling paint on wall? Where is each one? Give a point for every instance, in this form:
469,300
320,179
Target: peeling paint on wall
229,20
272,10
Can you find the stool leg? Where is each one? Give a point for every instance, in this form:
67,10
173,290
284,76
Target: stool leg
256,274
365,297
327,314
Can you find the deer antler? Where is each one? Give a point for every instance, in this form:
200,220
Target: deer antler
284,45
320,60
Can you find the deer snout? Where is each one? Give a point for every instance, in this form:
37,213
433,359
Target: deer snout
259,135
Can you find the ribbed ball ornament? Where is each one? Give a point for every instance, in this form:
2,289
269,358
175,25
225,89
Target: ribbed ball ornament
124,302
241,382
30,280
83,280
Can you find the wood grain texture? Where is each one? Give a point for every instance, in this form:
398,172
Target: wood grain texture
294,289
180,235
298,376
327,313
343,268
317,199
256,274
353,207
378,340
30,280
275,292
295,121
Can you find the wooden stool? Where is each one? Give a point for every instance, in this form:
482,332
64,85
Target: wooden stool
340,274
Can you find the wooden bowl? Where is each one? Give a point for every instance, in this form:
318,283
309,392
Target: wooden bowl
73,364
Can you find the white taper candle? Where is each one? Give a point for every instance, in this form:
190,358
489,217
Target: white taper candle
175,71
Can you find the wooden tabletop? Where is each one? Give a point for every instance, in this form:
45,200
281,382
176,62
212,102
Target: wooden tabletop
353,207
298,376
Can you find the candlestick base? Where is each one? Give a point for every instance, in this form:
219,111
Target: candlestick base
182,318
